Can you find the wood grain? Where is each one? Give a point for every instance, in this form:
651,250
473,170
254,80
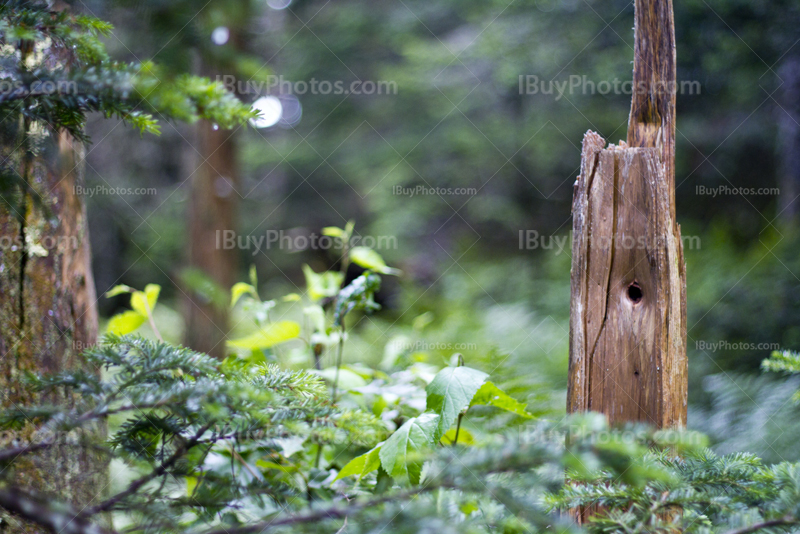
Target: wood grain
627,320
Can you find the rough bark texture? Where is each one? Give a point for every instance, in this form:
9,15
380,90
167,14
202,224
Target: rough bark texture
212,211
628,301
652,119
47,317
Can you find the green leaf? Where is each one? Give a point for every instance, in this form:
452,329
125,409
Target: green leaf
240,289
333,231
369,259
362,465
450,393
396,454
358,295
322,285
145,301
268,336
347,379
118,290
464,437
491,395
125,323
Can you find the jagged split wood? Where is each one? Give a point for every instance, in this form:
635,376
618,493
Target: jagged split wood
628,300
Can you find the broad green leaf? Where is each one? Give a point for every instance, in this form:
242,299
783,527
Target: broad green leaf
369,259
191,483
125,323
240,289
450,393
291,297
291,445
362,465
268,336
322,285
491,395
118,290
347,379
469,507
145,301
333,231
397,452
464,437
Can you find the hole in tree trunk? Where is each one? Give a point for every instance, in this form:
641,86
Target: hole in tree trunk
635,293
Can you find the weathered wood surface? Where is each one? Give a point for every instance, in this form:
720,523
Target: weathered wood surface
628,300
652,119
628,318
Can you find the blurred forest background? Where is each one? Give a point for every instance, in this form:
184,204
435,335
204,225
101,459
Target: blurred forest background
459,117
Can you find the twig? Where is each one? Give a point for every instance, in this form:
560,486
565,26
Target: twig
784,521
12,454
63,521
332,512
155,473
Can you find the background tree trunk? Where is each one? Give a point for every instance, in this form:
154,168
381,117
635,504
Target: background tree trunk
47,313
212,210
789,140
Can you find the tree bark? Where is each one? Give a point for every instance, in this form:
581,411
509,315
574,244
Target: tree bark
628,296
212,211
47,315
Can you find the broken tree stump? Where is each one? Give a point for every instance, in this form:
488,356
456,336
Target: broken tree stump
628,298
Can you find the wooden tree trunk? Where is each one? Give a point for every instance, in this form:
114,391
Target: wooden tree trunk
628,300
212,211
47,316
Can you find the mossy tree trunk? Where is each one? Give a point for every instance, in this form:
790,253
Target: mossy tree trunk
47,309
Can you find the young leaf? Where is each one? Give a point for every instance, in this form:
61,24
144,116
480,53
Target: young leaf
240,289
465,437
450,392
333,231
148,296
369,259
491,395
118,290
322,285
268,336
125,323
362,465
358,295
347,379
416,434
